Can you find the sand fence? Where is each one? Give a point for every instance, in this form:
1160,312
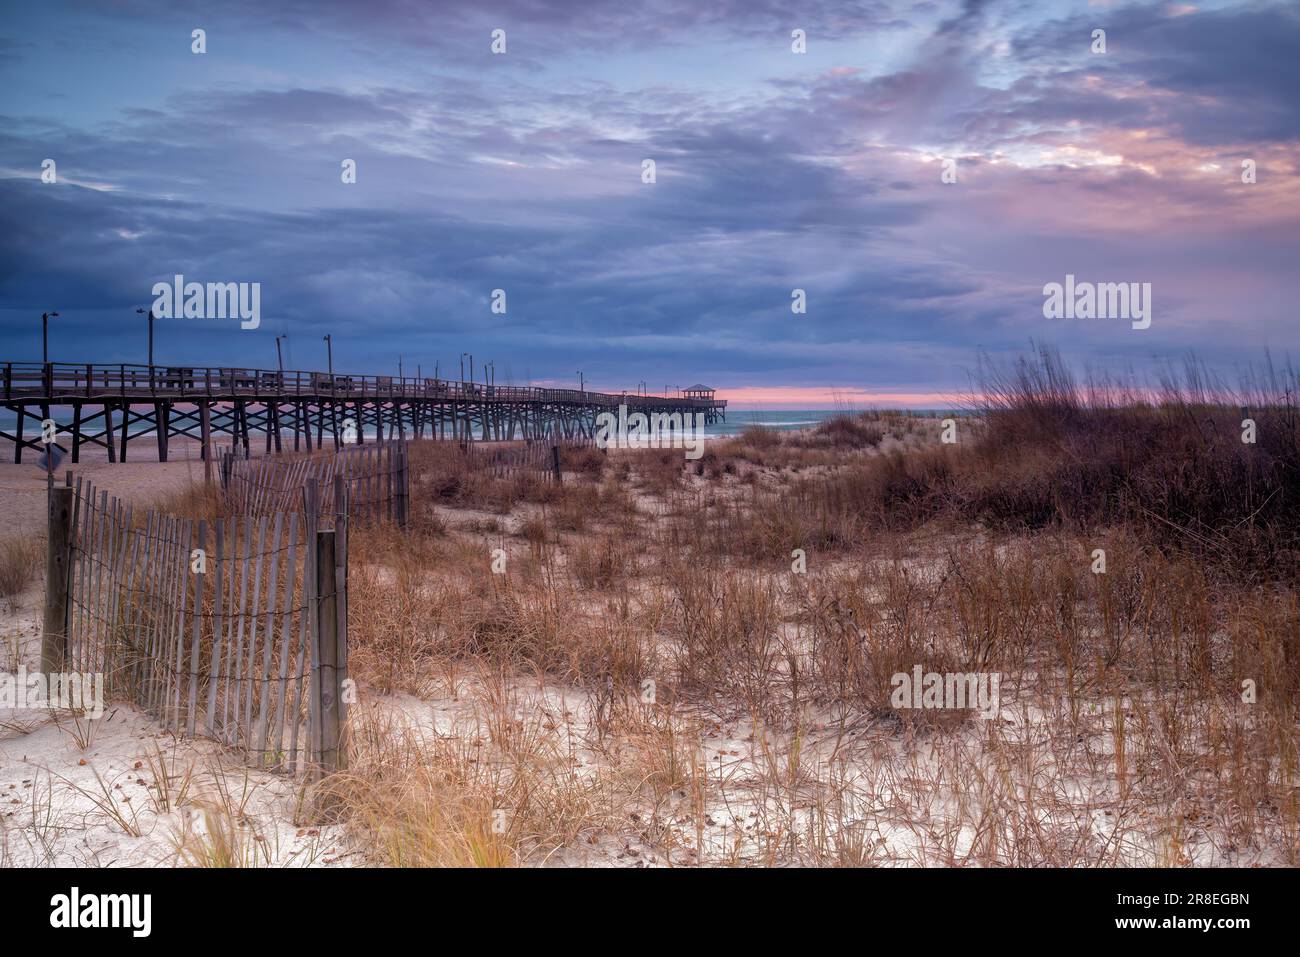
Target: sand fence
235,629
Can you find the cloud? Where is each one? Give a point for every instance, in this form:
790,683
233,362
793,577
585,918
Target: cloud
1124,167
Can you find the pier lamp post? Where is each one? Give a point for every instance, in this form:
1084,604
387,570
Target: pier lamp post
45,335
150,316
581,387
329,354
279,356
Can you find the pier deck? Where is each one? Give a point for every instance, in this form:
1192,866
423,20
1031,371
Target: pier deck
109,405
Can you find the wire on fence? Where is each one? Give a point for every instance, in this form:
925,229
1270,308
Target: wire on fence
234,629
376,480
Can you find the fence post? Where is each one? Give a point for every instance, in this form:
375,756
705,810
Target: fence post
331,657
197,634
58,559
341,626
555,463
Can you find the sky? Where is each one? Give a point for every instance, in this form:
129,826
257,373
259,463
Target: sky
774,171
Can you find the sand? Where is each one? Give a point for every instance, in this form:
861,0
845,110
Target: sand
90,796
89,793
140,479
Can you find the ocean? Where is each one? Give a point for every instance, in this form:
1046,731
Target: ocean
737,420
782,419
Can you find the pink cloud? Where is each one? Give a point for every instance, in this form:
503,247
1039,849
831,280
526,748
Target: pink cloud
817,397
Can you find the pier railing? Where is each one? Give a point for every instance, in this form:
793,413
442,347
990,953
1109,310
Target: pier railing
66,381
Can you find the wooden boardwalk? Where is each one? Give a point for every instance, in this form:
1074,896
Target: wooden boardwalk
109,405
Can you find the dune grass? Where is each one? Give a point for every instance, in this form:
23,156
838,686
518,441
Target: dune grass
690,662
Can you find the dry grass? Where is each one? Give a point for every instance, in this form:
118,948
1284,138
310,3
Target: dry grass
20,561
197,501
499,792
652,678
1128,681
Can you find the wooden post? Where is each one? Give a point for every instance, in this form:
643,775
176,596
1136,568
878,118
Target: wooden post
205,421
341,626
126,419
197,625
406,486
330,756
555,463
160,429
76,433
58,558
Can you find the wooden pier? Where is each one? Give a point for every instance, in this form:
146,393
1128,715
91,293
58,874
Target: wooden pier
111,405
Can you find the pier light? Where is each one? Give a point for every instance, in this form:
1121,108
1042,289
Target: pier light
149,314
45,334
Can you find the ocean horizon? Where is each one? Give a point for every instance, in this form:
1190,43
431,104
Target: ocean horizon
736,422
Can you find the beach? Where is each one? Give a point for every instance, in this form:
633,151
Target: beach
806,646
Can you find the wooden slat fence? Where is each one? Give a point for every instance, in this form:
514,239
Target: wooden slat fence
537,458
215,629
376,479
